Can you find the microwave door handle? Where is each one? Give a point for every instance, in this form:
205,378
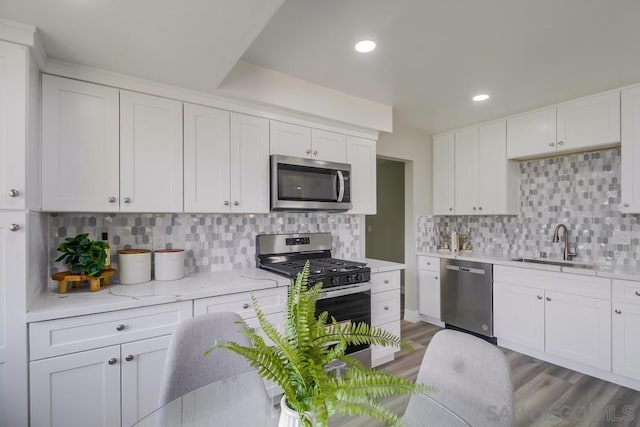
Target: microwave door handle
340,186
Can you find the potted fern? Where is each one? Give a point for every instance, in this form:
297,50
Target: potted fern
296,362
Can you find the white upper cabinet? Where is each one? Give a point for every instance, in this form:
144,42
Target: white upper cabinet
585,123
361,154
300,141
150,153
13,84
207,153
443,174
80,146
466,171
630,173
249,164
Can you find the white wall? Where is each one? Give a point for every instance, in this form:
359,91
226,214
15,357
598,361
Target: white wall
414,149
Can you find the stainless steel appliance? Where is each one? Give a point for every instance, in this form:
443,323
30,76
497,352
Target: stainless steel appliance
466,296
346,287
299,184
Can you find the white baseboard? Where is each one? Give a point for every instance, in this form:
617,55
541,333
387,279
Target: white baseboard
412,316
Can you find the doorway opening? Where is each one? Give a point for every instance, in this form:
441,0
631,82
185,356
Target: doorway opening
385,231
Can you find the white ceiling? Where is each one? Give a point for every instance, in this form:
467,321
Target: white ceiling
432,55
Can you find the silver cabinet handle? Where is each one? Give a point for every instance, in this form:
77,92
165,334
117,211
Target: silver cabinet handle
112,361
474,208
638,293
129,358
386,307
626,205
435,277
226,203
14,227
315,152
120,327
308,151
618,311
245,306
480,208
14,193
112,199
386,282
236,203
560,142
428,263
127,199
539,296
551,144
450,209
548,299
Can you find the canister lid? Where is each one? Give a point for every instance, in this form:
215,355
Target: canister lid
163,251
133,251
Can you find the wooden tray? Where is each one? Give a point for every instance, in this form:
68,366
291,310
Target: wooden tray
65,278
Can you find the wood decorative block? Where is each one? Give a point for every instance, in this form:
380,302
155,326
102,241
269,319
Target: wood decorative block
66,277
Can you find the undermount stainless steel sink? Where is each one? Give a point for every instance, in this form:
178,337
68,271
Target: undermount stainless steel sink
559,263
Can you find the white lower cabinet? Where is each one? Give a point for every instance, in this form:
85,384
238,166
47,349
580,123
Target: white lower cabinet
429,287
385,312
518,315
626,324
110,368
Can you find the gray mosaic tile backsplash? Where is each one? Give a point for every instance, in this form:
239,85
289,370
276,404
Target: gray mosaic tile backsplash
212,242
581,191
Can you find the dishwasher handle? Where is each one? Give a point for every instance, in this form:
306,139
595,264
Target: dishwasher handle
466,269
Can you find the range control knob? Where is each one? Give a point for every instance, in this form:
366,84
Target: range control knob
359,277
335,280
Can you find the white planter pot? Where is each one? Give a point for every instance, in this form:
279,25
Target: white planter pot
288,417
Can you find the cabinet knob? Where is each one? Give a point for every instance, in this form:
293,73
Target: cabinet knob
127,199
112,361
626,205
129,358
14,193
315,152
450,209
551,144
428,263
120,327
474,208
386,281
14,227
308,151
539,296
236,203
480,208
386,307
112,199
245,305
638,293
560,142
435,277
548,299
618,311
226,203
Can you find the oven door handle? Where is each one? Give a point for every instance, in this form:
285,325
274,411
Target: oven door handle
365,287
340,186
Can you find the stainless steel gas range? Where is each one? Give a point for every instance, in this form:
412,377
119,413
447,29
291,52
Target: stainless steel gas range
346,287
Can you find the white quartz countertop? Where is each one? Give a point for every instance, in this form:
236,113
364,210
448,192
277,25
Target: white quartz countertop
599,270
77,302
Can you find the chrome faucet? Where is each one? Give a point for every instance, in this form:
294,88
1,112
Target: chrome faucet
567,254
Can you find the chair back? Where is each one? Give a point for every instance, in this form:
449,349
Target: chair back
472,378
186,368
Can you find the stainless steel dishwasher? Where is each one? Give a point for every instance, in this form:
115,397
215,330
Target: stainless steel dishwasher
466,296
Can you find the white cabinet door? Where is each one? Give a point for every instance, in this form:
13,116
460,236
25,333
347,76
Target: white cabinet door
578,328
380,354
466,172
290,140
328,146
207,171
80,389
13,110
531,134
443,174
518,315
429,293
249,164
492,168
150,153
142,368
625,342
589,122
361,154
630,174
80,146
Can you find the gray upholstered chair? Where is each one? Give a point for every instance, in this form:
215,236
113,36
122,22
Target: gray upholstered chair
186,368
472,378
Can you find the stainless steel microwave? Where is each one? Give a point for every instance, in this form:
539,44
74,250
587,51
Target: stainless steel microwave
301,185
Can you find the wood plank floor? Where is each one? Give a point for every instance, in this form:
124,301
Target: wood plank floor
546,394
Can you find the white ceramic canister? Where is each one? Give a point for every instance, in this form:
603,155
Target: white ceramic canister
134,266
169,264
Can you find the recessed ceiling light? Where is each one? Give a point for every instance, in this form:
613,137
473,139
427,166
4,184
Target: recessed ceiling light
365,46
481,97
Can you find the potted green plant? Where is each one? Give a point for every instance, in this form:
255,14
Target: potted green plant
83,255
297,359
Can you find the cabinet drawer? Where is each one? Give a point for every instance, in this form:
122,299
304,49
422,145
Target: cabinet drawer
62,336
270,301
429,263
385,307
626,291
381,282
